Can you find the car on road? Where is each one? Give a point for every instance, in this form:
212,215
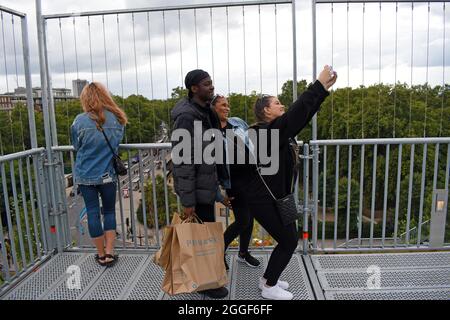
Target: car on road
135,159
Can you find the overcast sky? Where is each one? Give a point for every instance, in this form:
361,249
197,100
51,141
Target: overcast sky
272,42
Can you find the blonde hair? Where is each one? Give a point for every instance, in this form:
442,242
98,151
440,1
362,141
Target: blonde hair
95,98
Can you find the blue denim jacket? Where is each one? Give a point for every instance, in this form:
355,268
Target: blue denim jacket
240,128
93,163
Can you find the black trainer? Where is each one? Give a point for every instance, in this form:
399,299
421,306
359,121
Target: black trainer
248,259
218,293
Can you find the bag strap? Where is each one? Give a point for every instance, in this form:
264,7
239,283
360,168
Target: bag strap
258,170
192,219
267,187
107,141
293,146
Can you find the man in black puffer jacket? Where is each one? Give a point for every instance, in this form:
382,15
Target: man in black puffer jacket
196,183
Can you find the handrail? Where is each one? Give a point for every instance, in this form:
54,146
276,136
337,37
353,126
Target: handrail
13,12
21,154
132,146
344,142
146,146
171,8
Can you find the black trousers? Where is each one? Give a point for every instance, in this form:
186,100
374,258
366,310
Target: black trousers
243,223
205,212
265,212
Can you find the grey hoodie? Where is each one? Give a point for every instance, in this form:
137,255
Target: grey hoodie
194,183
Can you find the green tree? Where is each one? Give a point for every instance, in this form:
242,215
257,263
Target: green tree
369,112
160,203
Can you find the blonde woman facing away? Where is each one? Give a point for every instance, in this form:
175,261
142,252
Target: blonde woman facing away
94,171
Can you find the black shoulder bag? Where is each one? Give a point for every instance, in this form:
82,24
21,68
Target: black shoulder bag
287,208
118,165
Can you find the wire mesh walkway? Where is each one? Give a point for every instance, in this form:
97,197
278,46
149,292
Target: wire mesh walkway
135,277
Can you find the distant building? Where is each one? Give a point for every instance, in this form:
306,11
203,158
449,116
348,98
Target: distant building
20,91
62,93
57,92
6,103
9,100
78,86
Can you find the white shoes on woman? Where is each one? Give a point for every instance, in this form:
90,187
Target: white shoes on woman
277,292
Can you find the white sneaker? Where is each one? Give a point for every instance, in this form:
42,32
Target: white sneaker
276,293
282,284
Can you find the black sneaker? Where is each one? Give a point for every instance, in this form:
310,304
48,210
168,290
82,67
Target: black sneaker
218,293
227,267
248,259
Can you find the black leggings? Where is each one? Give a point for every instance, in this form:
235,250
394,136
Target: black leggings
243,224
266,214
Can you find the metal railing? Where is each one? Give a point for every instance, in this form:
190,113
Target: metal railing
24,225
145,163
369,211
141,209
140,203
155,75
414,232
24,236
43,213
69,27
403,199
11,42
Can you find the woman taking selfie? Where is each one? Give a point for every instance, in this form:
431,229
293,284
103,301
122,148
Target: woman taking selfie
270,198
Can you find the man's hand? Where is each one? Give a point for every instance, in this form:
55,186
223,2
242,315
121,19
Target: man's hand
327,77
227,202
188,212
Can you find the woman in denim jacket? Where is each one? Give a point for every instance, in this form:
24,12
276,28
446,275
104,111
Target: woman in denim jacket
94,172
230,180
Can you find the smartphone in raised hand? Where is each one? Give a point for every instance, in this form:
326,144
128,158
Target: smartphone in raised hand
331,71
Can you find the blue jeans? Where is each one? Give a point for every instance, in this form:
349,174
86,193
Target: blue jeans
90,195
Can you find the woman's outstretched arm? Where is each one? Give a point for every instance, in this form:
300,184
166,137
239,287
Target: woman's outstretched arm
305,107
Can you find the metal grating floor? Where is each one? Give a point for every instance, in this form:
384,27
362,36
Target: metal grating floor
402,276
38,284
430,294
136,277
384,261
410,276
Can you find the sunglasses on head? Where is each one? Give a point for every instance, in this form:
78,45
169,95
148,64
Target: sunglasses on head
217,96
263,97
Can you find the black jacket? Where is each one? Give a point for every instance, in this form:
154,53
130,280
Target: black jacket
194,183
289,125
